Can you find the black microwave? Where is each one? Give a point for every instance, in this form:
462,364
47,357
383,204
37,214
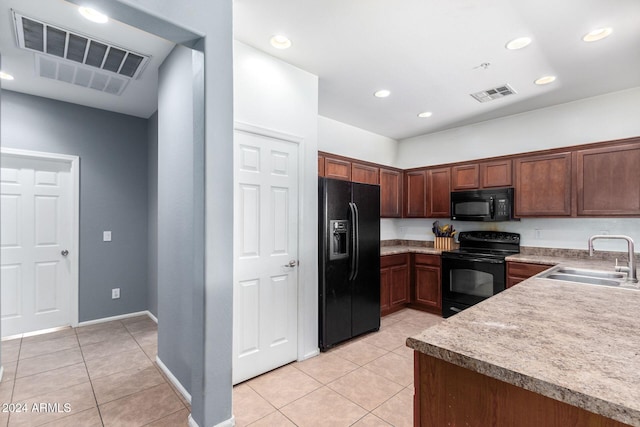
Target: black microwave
482,205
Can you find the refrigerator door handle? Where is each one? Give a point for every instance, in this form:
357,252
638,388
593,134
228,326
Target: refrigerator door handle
356,256
352,267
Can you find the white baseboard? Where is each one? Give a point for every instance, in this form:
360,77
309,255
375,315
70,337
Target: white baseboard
173,380
231,422
120,317
1,372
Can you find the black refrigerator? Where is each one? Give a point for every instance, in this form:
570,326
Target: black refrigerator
349,260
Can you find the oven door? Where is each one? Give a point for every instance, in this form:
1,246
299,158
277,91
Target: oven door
469,280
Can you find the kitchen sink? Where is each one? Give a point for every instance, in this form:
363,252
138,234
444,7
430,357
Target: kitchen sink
579,275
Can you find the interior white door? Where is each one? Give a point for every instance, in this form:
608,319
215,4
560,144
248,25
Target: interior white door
36,230
265,289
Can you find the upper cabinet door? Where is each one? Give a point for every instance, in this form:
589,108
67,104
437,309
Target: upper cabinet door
439,193
364,173
415,194
390,193
337,169
465,177
609,180
543,185
496,174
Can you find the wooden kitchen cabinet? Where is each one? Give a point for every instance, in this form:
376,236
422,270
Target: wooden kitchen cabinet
320,165
543,185
415,194
364,173
426,289
496,174
465,177
394,283
337,168
439,193
520,271
390,193
608,180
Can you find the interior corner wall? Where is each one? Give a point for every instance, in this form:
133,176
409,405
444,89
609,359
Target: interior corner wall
275,95
346,140
113,192
152,210
176,214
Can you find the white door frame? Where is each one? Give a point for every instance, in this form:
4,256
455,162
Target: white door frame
73,257
302,267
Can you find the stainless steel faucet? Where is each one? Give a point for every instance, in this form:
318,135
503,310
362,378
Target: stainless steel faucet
630,269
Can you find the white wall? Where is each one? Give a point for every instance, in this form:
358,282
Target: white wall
349,141
607,117
272,94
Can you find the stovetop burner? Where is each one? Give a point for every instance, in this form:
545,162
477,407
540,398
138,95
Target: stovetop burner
490,244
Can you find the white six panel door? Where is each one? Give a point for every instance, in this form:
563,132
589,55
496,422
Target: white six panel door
265,295
36,226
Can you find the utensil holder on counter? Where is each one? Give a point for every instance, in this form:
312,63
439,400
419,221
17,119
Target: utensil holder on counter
445,243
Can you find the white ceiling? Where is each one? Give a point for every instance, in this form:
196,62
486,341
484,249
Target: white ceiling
427,52
140,96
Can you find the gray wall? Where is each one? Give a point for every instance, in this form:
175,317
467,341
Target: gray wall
152,206
113,192
176,214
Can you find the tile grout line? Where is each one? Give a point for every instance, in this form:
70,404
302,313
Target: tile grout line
13,388
90,380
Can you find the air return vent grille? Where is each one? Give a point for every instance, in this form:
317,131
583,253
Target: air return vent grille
83,51
493,93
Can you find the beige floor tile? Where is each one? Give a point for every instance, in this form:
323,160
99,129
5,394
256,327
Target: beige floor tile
248,406
141,408
387,340
66,332
88,418
146,338
6,391
151,351
365,388
359,352
9,372
323,407
114,324
394,367
45,382
102,349
406,314
177,419
406,329
135,319
326,367
272,420
371,421
38,348
10,350
4,419
397,411
283,385
101,335
387,321
145,324
405,351
48,362
135,359
79,398
124,383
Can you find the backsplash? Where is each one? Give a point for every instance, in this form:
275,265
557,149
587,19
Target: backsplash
565,233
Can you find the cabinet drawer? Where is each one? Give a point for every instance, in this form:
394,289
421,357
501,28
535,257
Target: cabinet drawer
389,260
427,259
521,269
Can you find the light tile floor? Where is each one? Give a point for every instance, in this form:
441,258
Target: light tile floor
108,376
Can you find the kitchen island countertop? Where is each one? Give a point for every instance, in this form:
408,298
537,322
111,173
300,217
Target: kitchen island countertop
579,344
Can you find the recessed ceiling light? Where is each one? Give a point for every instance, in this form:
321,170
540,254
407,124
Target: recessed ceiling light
545,80
598,34
5,76
382,93
518,43
93,15
280,42
425,114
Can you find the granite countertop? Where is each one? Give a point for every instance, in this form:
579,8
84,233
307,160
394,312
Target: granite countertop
576,343
403,249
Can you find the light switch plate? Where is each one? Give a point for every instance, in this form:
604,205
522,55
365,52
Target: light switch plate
115,293
106,236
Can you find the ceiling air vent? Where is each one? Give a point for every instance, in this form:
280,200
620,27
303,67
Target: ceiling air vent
493,93
78,56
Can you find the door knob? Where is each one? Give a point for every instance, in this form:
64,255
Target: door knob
65,252
292,263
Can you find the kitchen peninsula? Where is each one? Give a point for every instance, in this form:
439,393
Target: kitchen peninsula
542,353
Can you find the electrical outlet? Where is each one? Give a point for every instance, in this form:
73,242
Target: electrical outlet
115,293
106,236
538,233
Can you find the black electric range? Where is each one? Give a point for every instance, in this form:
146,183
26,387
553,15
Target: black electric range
477,270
